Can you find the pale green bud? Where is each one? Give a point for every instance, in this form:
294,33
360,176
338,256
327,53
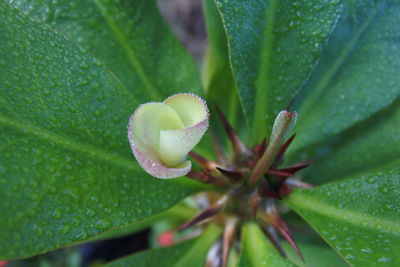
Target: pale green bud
162,134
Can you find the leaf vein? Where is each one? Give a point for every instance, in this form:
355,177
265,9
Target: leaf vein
68,143
349,216
345,54
132,57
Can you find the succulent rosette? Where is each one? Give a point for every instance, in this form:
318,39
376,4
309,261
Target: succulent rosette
162,134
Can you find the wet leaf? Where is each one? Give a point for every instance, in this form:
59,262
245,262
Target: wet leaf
358,217
219,80
371,144
314,256
66,169
358,74
129,37
177,214
273,47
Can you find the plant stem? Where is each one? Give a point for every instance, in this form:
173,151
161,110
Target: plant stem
282,125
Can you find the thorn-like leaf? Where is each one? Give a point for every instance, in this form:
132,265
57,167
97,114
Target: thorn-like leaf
207,178
295,168
205,214
234,176
279,173
284,231
255,200
273,218
238,146
285,146
202,216
206,164
260,148
228,237
218,151
274,238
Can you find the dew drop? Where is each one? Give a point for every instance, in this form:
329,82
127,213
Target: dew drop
366,250
385,259
102,224
57,214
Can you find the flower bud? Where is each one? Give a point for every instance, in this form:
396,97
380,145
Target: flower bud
162,134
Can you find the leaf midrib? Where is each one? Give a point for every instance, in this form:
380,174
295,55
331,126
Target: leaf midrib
379,165
347,51
133,60
68,143
313,204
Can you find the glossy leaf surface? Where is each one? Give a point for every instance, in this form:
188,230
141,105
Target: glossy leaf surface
177,214
372,144
358,74
129,37
66,169
273,48
314,256
219,81
190,253
257,250
358,217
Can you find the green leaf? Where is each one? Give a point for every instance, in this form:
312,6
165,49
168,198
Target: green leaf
220,84
190,253
314,256
373,143
273,48
177,214
358,217
358,74
257,250
217,56
129,37
66,169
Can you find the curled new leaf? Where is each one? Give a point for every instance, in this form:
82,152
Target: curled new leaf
162,134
